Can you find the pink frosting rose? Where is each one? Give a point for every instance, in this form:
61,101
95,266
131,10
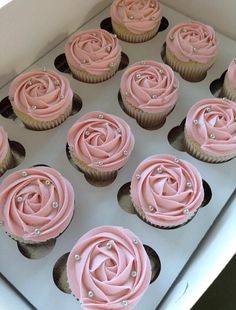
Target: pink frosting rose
168,190
193,41
138,16
43,95
231,73
212,124
4,144
36,204
108,268
95,51
101,140
150,86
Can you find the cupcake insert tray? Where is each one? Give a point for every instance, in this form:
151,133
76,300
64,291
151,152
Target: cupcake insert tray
97,206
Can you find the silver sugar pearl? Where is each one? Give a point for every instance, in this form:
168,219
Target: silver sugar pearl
111,65
118,130
57,83
186,211
108,49
131,17
55,205
24,174
127,94
154,96
62,97
205,34
87,133
101,116
19,199
194,49
208,109
183,30
138,177
90,294
109,245
47,182
133,273
212,136
171,38
159,170
135,241
151,208
114,36
152,5
124,303
30,82
77,257
138,76
125,152
175,86
195,121
37,231
100,163
161,71
189,185
224,98
33,107
176,160
84,61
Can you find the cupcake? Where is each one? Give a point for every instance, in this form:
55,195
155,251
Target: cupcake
135,20
166,192
100,144
5,152
36,204
149,92
93,55
210,130
191,49
41,99
108,268
229,86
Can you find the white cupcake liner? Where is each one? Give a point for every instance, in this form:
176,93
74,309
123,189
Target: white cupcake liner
92,173
7,162
125,35
34,124
195,150
227,90
190,71
84,76
145,119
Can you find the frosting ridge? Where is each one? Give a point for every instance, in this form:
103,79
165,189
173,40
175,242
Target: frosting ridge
231,73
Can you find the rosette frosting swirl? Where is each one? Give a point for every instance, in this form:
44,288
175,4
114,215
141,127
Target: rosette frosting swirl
231,73
95,51
4,144
138,16
43,95
36,204
212,124
101,140
167,190
193,41
108,268
150,86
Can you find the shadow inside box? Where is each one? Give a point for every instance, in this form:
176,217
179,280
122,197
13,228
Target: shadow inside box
216,86
125,202
36,251
7,111
106,24
61,63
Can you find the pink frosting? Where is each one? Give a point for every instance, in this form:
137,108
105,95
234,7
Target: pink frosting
168,190
36,204
101,276
43,95
95,51
101,140
150,86
138,16
212,124
4,144
231,74
193,41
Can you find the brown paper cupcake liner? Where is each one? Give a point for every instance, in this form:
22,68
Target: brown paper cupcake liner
92,173
195,150
145,119
40,125
7,162
191,71
227,90
91,78
125,35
